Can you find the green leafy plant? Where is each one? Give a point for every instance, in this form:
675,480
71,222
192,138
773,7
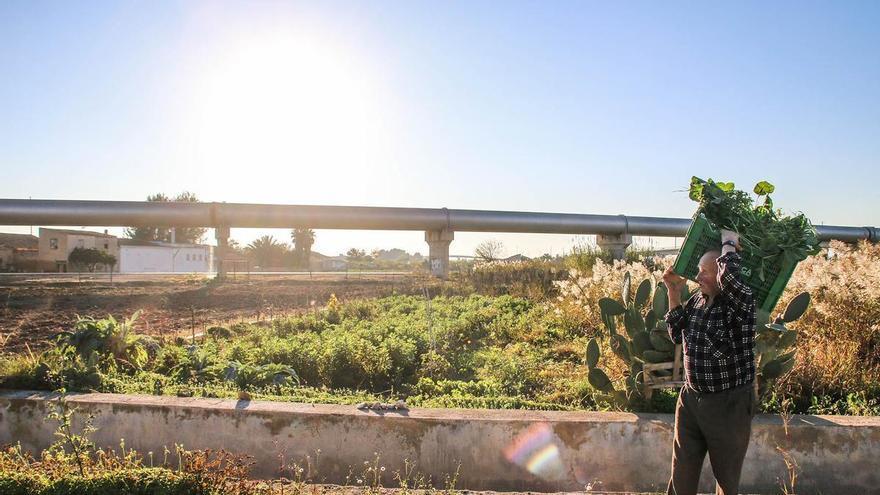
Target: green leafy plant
645,340
77,445
92,338
764,232
246,376
219,333
196,363
775,342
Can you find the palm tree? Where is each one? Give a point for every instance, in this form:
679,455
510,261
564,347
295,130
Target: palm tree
303,239
265,251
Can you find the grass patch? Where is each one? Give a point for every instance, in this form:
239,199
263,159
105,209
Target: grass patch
476,351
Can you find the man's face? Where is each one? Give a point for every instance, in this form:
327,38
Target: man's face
708,275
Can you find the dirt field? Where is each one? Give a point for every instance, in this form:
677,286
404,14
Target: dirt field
33,310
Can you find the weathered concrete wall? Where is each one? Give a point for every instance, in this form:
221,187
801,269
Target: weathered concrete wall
492,449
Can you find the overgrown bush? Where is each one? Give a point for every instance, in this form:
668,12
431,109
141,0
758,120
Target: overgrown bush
381,347
482,351
837,367
838,350
533,279
583,256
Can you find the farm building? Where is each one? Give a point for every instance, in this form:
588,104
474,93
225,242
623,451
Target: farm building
55,246
164,257
18,252
333,263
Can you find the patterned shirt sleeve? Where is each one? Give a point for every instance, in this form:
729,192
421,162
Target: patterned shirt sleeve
733,288
677,320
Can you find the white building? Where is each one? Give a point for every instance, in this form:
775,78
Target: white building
164,257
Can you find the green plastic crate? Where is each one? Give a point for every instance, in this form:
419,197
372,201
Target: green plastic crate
702,237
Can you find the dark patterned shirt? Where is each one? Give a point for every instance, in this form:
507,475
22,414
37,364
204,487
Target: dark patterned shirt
718,340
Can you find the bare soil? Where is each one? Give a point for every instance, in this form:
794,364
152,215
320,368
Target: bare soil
33,311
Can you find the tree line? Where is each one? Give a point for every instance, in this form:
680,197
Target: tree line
267,251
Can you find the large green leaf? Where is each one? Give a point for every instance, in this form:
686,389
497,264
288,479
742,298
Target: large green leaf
661,301
772,369
725,186
660,342
685,294
633,321
611,307
641,342
643,293
620,398
608,320
592,353
762,346
788,339
796,307
696,188
788,356
620,347
635,369
764,188
600,381
650,320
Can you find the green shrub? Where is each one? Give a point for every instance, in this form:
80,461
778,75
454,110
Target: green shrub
476,350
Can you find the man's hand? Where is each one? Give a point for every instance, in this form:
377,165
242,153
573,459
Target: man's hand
674,285
729,235
674,282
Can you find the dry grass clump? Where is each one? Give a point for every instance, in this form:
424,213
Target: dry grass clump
839,342
838,351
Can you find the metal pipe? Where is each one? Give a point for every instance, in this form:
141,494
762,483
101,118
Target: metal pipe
171,214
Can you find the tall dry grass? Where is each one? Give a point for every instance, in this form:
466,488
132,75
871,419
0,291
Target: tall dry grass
838,351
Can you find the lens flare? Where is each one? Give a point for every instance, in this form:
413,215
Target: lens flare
537,450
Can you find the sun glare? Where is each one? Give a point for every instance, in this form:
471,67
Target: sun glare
286,106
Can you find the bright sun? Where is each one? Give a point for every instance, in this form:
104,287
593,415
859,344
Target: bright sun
286,106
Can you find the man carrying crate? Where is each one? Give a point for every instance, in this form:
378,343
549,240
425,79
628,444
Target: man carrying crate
718,401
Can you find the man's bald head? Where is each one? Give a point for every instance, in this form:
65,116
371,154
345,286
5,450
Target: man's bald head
709,258
708,274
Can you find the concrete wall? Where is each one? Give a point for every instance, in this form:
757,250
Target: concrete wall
493,449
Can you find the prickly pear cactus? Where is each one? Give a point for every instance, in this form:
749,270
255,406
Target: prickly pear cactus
644,339
775,342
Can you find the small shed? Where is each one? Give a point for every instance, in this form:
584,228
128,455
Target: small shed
164,257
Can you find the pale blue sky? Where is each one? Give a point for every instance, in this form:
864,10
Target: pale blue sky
581,107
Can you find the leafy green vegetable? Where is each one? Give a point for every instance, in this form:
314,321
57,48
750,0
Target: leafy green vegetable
763,232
